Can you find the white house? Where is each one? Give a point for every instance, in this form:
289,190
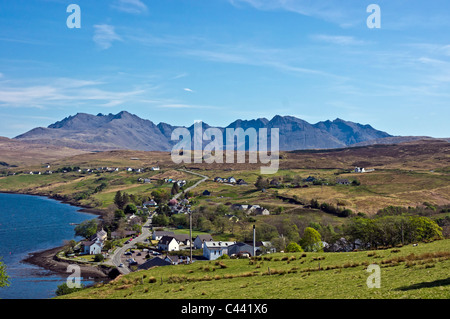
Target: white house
261,211
359,170
93,247
155,168
102,235
168,243
215,249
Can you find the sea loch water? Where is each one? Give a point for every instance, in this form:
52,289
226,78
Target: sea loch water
29,224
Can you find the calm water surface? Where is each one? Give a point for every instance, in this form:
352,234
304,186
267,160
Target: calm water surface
29,224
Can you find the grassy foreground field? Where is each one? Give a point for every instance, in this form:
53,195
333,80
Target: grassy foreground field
406,273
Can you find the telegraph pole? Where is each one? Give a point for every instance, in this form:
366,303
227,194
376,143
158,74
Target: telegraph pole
254,241
190,233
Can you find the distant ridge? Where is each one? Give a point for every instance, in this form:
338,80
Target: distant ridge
128,131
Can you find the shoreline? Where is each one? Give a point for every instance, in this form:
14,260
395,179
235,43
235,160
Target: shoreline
48,259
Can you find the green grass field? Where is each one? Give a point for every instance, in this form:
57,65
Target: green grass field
421,272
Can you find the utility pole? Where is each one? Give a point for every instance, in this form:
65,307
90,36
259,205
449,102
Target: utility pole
254,241
190,233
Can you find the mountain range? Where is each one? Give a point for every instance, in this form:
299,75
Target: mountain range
127,131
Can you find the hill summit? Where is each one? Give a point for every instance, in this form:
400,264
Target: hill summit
128,131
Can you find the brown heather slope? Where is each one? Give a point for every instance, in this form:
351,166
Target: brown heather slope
406,174
416,155
19,153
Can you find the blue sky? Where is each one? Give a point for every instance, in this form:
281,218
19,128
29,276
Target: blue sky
178,61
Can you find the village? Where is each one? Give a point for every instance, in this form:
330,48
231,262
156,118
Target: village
158,248
141,244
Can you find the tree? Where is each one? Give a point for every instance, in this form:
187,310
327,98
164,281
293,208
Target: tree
279,243
118,200
425,229
261,183
293,247
160,196
130,209
266,232
315,203
125,199
290,230
222,210
180,220
175,189
99,258
356,182
64,289
311,240
220,222
119,214
3,276
160,220
86,229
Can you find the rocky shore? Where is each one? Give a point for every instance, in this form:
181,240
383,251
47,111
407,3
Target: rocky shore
47,259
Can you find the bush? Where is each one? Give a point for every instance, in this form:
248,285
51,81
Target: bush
64,289
99,258
293,248
311,240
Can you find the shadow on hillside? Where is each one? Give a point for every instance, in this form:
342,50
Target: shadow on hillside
431,284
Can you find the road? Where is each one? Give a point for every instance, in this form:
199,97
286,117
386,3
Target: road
193,186
117,254
116,257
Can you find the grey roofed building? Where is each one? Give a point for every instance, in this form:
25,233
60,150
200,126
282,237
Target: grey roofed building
158,234
150,203
342,181
200,239
241,248
176,260
182,238
154,262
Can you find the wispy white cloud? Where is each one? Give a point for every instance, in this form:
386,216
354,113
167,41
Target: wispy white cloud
179,76
186,106
279,59
338,39
105,35
59,92
188,90
130,6
340,12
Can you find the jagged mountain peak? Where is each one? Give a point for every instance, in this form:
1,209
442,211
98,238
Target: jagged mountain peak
128,131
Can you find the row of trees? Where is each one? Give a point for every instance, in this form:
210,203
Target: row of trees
391,230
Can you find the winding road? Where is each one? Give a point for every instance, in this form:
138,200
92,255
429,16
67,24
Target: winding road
116,256
193,186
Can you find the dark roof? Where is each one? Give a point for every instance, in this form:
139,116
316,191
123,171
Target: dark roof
182,237
154,262
207,237
165,240
88,242
163,233
242,244
257,243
